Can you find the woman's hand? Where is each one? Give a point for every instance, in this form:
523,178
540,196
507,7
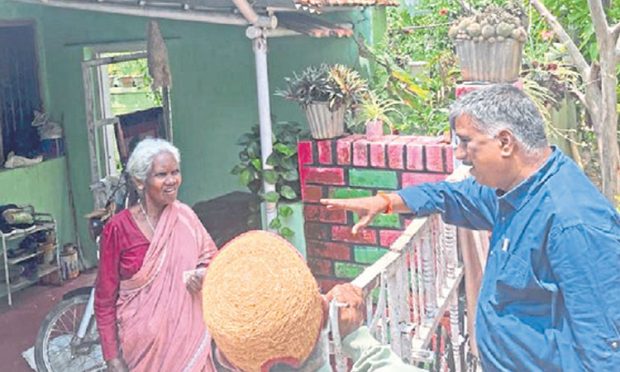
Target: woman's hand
117,365
194,283
351,307
193,279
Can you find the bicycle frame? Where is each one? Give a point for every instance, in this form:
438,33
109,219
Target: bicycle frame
89,312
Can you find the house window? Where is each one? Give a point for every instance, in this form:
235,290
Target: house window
19,89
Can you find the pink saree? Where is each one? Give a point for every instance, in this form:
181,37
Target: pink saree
160,321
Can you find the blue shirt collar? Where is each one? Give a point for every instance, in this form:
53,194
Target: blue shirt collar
520,194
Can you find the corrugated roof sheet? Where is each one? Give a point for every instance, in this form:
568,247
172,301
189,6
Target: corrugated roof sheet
312,26
332,3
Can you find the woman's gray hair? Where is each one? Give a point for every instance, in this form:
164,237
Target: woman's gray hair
141,159
503,106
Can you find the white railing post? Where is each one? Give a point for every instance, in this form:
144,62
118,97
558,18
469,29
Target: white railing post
428,278
413,295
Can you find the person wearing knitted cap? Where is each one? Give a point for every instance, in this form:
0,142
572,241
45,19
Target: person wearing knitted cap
265,313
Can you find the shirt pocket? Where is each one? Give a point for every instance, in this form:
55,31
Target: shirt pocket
512,278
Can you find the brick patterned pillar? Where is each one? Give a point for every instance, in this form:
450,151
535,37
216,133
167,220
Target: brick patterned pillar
356,166
462,89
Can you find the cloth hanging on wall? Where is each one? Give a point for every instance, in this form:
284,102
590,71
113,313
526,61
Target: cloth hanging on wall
157,55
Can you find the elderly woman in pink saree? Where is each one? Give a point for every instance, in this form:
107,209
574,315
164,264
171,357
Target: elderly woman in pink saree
149,318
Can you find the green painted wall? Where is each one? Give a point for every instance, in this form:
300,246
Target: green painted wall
213,93
42,186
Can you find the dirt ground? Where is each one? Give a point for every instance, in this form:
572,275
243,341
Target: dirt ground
19,324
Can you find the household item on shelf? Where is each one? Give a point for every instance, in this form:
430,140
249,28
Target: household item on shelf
14,273
16,161
50,133
49,252
69,268
28,254
11,224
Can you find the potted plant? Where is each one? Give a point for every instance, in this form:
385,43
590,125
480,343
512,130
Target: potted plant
284,175
325,93
374,112
489,44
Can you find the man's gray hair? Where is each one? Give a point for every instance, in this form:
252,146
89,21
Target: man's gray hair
141,159
503,106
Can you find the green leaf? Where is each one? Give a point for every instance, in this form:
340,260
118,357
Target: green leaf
245,139
290,175
245,177
256,163
284,150
405,78
237,169
285,211
275,223
274,159
270,176
288,192
286,232
271,197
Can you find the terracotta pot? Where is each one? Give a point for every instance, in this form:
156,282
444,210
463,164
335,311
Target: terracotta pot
374,129
497,62
324,123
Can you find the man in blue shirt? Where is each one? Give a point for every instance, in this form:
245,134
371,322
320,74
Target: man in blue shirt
550,295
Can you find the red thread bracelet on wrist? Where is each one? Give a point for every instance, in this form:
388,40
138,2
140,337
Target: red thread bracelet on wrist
389,208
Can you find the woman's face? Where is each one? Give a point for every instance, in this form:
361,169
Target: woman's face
162,182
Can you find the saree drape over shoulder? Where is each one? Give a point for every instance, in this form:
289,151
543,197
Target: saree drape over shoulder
159,321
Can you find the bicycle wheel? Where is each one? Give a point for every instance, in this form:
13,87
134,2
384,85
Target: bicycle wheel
58,349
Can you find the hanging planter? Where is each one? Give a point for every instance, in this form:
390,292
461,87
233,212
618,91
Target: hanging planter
325,93
489,45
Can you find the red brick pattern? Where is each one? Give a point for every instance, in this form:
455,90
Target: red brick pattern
327,164
415,156
434,158
325,176
325,151
363,236
360,153
448,155
412,179
320,266
387,237
377,155
343,149
462,89
335,251
312,194
304,152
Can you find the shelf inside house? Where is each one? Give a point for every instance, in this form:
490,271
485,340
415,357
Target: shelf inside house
16,260
23,282
13,278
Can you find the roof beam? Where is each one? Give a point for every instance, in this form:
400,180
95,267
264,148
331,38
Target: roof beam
177,15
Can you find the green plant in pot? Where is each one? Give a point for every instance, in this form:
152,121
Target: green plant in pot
284,174
325,93
489,44
373,112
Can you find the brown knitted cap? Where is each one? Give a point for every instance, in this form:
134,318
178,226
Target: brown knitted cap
261,304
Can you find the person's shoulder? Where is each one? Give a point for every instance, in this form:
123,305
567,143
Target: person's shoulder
184,208
574,200
118,225
186,211
119,219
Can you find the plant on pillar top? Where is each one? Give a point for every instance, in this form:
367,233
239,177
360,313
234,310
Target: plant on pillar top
284,174
375,110
325,93
489,44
